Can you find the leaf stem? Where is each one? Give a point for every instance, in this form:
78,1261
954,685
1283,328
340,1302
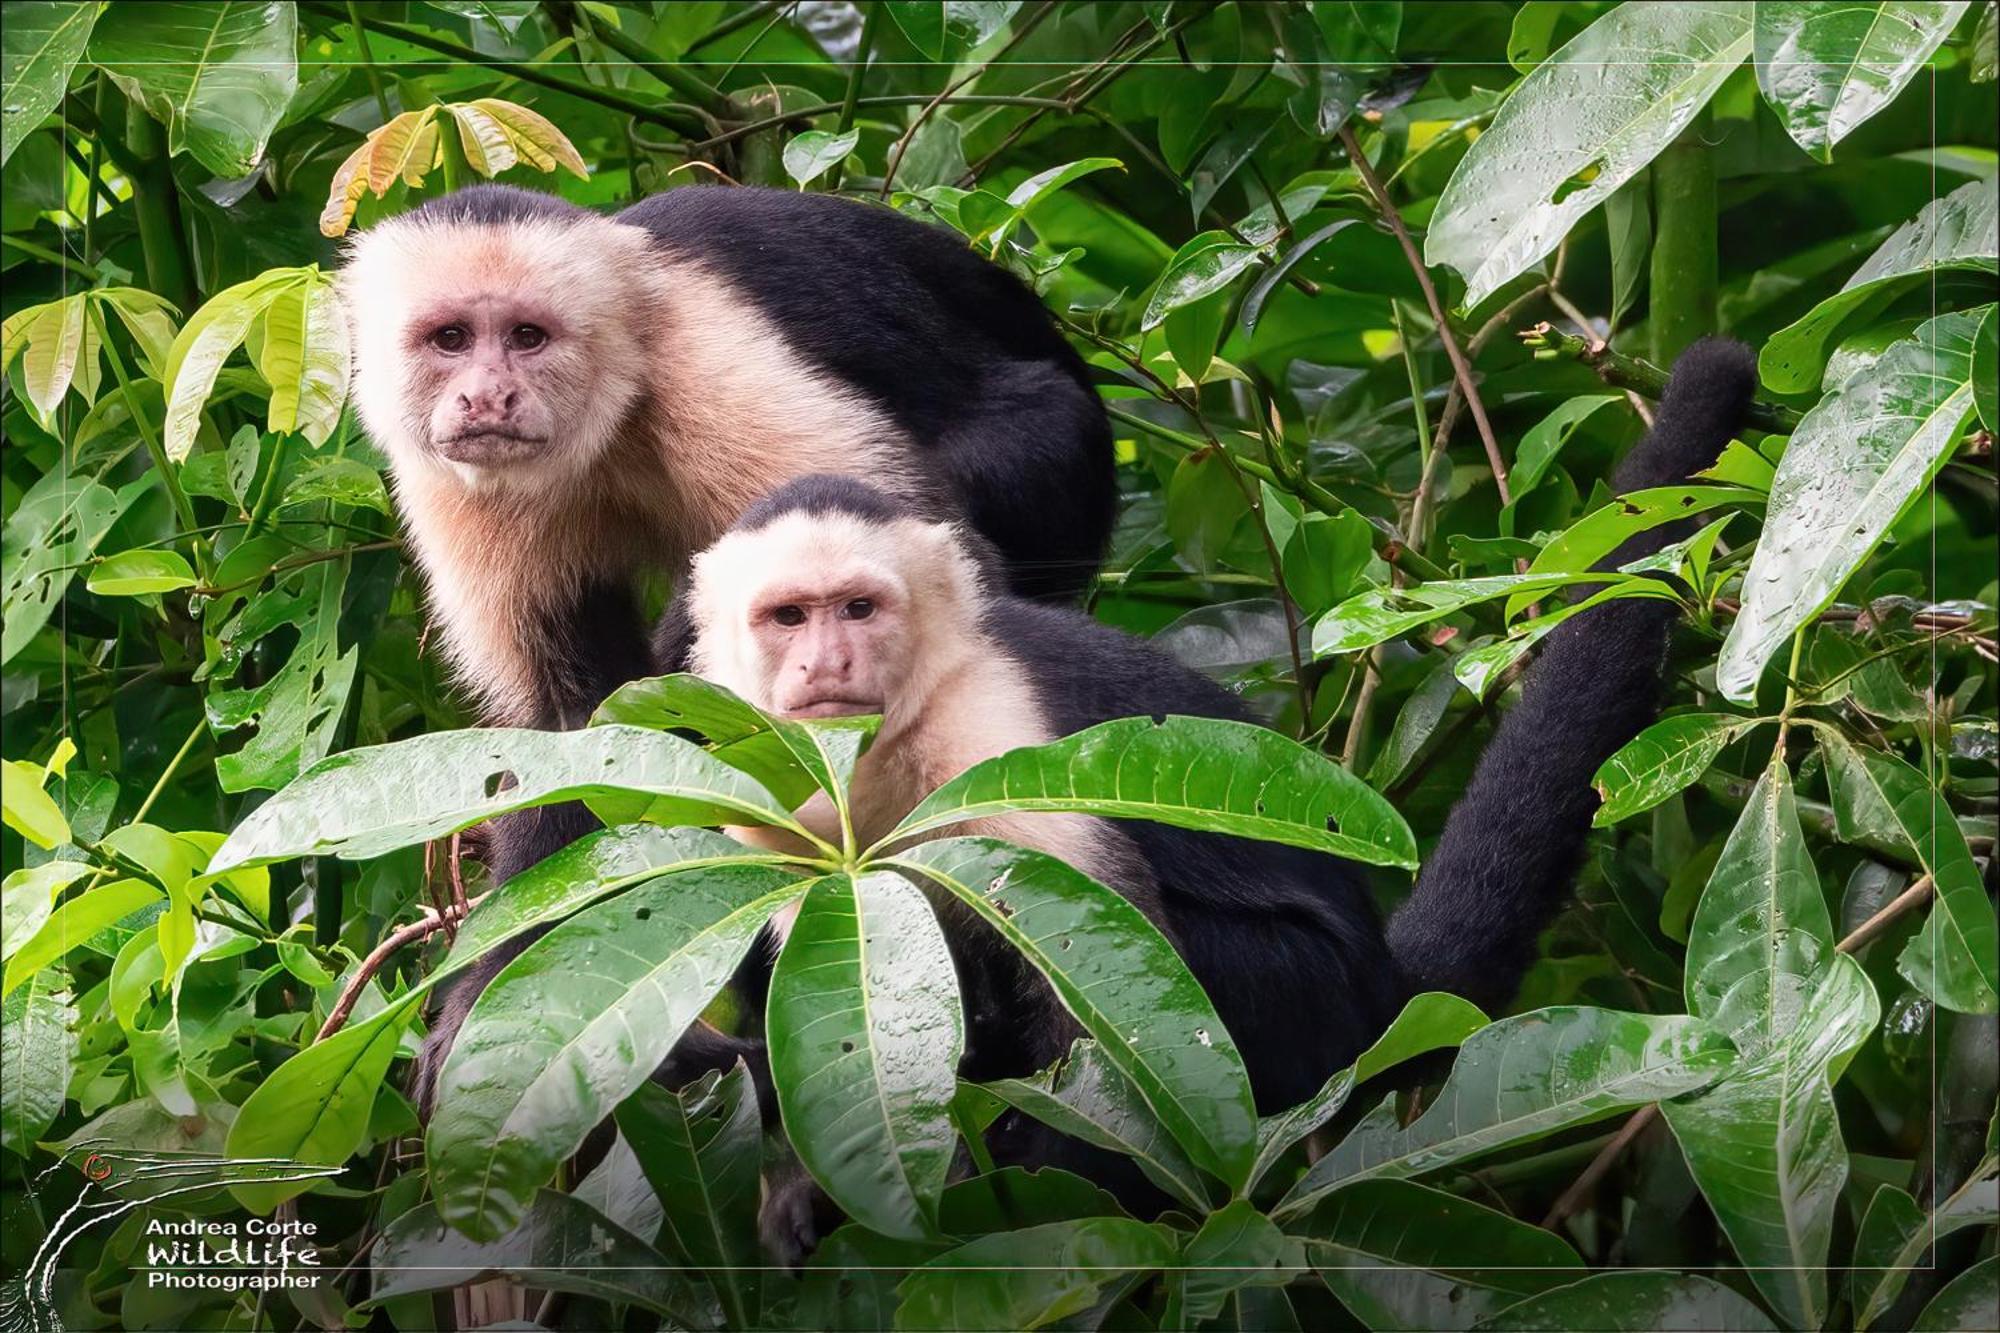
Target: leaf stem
173,766
169,476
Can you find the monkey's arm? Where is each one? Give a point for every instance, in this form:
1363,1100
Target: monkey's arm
1502,869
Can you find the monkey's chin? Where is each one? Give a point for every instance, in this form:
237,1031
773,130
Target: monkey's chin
491,449
833,708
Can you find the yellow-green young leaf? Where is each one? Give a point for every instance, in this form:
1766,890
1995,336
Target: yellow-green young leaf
1661,760
403,148
196,357
30,811
810,155
28,895
500,133
130,573
53,344
150,321
76,921
305,358
1827,68
1856,459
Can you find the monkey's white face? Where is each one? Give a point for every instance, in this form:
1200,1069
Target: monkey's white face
829,616
501,353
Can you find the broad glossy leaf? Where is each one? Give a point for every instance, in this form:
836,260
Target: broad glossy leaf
1122,980
1236,1247
1086,1097
1404,1256
1590,539
1195,773
1380,614
374,799
1634,1302
1429,1022
561,1244
217,73
345,481
130,573
1576,129
1014,1196
571,1027
1827,68
205,342
1522,1078
1479,669
699,1148
1764,1144
303,356
1031,1277
865,1032
28,808
314,1108
1202,267
76,920
48,537
1967,1302
28,896
1857,458
1661,760
1895,1235
810,155
37,1044
1960,231
40,45
1416,722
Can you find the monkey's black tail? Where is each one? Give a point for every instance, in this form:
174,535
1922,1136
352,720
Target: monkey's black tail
1502,869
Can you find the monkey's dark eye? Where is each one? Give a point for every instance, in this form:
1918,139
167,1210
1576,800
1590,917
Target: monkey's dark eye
858,609
789,616
452,338
527,337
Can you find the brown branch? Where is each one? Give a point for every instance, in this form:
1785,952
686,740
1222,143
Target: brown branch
1585,1184
429,925
1459,365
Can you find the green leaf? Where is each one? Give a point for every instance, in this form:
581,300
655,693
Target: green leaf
700,1151
1633,1302
1966,1301
1590,539
303,356
41,44
75,921
810,155
1194,773
48,537
1202,267
377,798
1952,959
205,342
27,896
1895,1235
345,481
1431,1021
1381,614
1582,124
217,73
561,1244
49,340
1961,231
1661,760
865,1033
571,1027
1031,1277
1122,980
1084,1096
1827,68
1764,1144
1986,365
1403,1256
314,1108
1236,1247
1520,1079
37,1045
130,573
1545,439
1857,458
28,809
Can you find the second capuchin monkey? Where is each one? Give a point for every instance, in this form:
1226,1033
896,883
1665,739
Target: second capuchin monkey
568,398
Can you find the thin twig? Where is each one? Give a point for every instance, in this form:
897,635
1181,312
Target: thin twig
1459,366
429,925
1585,1184
1642,377
902,144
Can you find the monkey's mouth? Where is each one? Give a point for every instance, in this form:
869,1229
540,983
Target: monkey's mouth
835,708
489,446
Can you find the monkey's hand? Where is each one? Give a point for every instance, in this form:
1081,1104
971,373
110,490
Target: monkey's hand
796,1215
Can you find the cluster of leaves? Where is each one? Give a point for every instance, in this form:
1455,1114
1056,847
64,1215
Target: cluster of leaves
1294,241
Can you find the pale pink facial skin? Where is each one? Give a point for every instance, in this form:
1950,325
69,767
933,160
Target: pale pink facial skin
824,646
482,364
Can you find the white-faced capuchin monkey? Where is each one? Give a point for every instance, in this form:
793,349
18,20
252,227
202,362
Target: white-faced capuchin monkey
567,398
830,596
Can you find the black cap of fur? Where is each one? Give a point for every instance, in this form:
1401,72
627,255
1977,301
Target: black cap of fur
822,493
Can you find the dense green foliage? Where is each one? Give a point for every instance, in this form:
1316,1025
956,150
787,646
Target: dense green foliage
235,779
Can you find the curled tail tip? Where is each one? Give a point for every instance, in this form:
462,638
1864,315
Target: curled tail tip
1712,384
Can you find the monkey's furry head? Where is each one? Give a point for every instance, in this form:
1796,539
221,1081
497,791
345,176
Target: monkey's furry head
499,335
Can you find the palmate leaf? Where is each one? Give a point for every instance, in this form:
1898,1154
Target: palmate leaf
571,1027
375,799
1961,231
865,1034
217,73
1856,459
1400,1255
1195,773
1582,124
1121,979
1522,1078
205,342
1633,1302
1827,68
1764,1144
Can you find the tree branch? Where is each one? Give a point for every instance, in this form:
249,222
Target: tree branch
429,925
1641,377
